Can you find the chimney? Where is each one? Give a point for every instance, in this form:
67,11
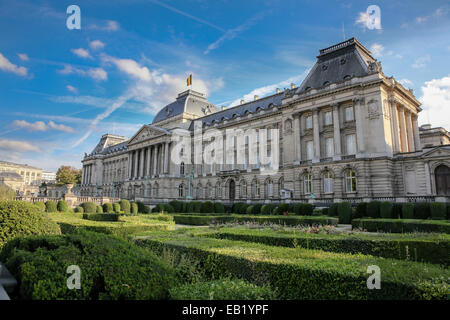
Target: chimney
242,101
256,97
292,85
277,90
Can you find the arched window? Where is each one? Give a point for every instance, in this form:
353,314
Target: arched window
181,191
280,185
307,183
269,187
182,168
328,182
256,192
350,181
142,190
243,189
442,177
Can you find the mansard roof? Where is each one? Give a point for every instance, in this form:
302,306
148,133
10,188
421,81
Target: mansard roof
189,101
109,143
339,62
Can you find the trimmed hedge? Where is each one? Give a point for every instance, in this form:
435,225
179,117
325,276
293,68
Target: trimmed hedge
207,207
333,212
111,269
116,207
62,206
224,289
218,207
40,206
426,248
89,207
298,273
438,210
101,216
345,212
99,209
282,220
422,210
125,206
407,211
361,210
402,225
177,206
78,210
373,209
267,209
51,206
386,210
108,207
20,218
134,209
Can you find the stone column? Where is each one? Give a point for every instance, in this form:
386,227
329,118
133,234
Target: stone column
409,131
415,125
136,164
130,166
359,124
82,175
297,140
403,135
316,135
166,158
141,166
155,159
395,125
90,173
337,133
149,161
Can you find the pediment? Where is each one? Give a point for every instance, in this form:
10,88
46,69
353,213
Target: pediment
147,132
438,152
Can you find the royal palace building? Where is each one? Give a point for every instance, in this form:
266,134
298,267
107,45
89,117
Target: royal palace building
348,132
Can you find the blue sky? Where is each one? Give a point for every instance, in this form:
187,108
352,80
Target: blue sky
61,89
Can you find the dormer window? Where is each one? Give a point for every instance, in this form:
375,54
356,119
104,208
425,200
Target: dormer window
326,83
347,77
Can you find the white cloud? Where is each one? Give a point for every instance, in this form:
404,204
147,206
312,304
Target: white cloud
377,49
72,89
421,62
82,53
7,66
41,126
130,67
270,89
435,102
94,73
96,45
439,12
17,146
110,25
362,19
23,56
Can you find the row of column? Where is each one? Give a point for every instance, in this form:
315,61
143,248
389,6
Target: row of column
405,128
149,161
87,174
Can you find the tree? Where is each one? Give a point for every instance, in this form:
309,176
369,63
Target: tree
68,175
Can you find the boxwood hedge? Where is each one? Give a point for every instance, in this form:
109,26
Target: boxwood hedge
402,225
101,216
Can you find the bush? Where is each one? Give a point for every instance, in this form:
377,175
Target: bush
177,206
218,207
361,210
249,210
20,218
141,206
108,207
407,211
373,209
168,208
397,210
101,216
224,289
325,211
40,206
89,207
78,210
267,209
345,212
207,207
402,225
257,209
125,206
62,206
386,210
116,207
238,208
197,206
307,209
99,209
134,208
422,210
147,210
50,206
333,212
283,208
39,263
437,210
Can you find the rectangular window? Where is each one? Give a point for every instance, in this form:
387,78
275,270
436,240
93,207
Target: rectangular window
308,122
349,114
309,150
350,144
328,118
329,147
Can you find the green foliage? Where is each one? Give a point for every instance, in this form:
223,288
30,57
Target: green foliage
6,193
197,206
218,207
249,210
147,210
40,205
267,209
422,210
89,207
50,206
101,216
373,209
99,209
68,175
108,207
397,210
20,218
333,212
168,208
283,208
134,208
437,210
112,269
307,209
158,208
361,210
207,207
141,206
407,211
78,210
386,210
325,211
257,209
239,208
344,212
125,206
224,289
62,206
402,225
177,206
116,207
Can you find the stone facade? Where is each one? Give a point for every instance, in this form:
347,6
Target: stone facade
430,137
22,178
348,132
